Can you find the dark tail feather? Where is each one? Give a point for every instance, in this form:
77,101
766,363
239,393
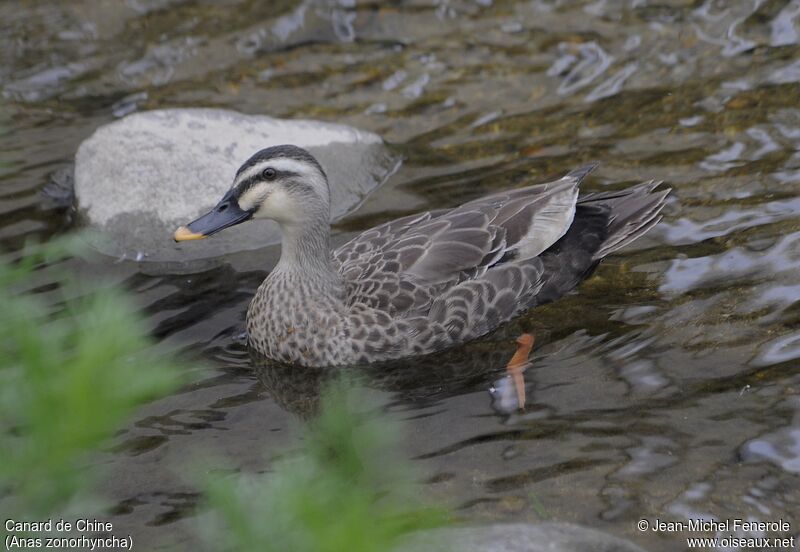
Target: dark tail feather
634,211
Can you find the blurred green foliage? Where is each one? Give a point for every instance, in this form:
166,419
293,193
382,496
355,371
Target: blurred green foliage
75,363
346,490
73,366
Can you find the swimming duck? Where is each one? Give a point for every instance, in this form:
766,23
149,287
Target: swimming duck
420,283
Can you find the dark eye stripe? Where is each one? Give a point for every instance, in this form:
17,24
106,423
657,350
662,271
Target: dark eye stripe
245,185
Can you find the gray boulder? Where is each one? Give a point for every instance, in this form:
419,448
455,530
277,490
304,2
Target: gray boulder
518,537
138,178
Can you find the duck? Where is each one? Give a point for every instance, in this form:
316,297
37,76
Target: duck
421,283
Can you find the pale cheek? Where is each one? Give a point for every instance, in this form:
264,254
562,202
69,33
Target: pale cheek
251,198
278,206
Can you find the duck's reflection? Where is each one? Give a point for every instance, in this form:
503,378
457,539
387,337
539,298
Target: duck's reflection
492,365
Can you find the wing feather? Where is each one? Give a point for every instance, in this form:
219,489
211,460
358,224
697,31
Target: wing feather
403,266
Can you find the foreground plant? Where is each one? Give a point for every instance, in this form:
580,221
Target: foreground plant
345,490
74,365
72,369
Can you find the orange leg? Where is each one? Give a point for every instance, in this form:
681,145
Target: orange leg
516,366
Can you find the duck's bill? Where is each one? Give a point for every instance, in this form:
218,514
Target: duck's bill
225,214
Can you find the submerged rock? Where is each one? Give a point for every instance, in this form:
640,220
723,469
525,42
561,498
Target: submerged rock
138,178
518,537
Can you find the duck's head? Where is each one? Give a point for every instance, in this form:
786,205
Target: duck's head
282,183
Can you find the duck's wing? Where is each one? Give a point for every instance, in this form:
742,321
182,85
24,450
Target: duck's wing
602,224
403,265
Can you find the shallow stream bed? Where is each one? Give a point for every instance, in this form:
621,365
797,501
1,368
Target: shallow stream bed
667,387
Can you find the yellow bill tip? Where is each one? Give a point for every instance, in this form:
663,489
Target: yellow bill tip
184,234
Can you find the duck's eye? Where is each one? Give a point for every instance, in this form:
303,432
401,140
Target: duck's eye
269,173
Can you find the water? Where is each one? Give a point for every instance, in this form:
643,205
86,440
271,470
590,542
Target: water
666,388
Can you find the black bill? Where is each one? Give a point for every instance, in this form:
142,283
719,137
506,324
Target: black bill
226,213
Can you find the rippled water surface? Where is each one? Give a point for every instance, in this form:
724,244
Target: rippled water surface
666,387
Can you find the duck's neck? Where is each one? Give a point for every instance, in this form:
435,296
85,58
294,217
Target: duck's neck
305,251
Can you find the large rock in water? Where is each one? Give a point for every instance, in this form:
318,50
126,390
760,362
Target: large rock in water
139,178
517,537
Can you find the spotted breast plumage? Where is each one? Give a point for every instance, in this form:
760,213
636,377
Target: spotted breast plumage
421,283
